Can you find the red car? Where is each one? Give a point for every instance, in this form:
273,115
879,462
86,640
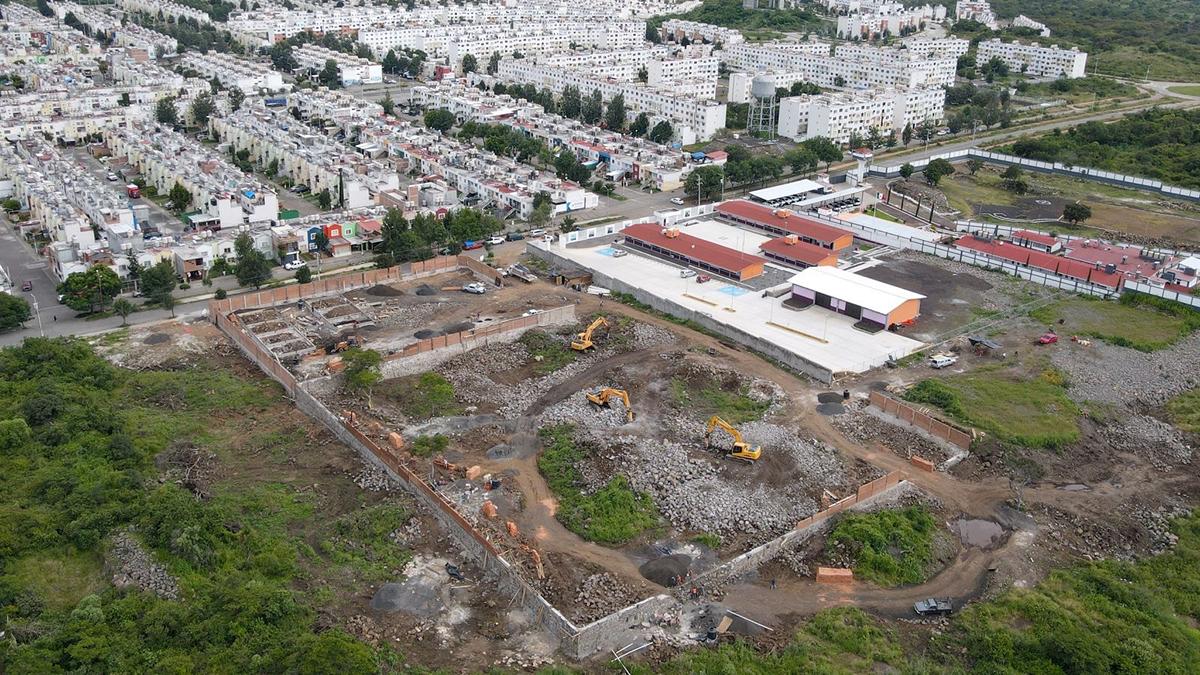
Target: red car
1047,339
27,286
703,278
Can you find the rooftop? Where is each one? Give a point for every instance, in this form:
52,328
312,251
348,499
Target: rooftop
855,289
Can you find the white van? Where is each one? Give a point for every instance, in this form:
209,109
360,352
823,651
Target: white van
942,360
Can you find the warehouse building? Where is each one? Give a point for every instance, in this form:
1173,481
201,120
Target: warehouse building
674,245
791,251
782,222
876,305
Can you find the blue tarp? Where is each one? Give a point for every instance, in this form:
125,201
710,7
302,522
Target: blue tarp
697,155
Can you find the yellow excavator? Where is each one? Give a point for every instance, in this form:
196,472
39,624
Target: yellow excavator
741,450
584,342
606,394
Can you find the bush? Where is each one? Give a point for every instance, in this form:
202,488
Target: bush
426,446
548,351
220,294
420,397
889,548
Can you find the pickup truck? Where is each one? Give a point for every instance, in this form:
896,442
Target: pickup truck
933,606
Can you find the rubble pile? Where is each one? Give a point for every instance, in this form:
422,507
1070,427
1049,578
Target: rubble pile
1157,522
576,409
374,479
599,595
1146,436
131,566
646,336
817,464
864,428
1121,376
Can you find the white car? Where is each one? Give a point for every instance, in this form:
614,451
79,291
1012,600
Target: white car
496,240
619,253
940,361
686,273
475,289
294,265
536,232
112,177
677,201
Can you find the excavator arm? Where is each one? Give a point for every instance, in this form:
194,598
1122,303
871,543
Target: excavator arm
584,342
741,449
606,394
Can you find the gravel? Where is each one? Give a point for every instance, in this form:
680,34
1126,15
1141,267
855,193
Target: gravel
646,336
863,428
1151,438
132,566
599,595
576,409
1120,376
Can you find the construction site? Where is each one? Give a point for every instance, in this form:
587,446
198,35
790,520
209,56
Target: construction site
635,486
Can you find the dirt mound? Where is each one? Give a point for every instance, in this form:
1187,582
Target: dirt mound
380,290
458,327
829,397
426,289
156,339
427,333
667,570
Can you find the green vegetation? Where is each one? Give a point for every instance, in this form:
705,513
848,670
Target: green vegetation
420,397
427,446
1158,143
1185,89
880,214
80,439
710,398
889,548
731,14
1033,412
1133,322
1184,411
362,366
842,640
549,353
1078,89
361,541
708,539
612,514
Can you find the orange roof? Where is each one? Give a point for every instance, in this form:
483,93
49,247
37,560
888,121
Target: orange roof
800,251
693,248
768,217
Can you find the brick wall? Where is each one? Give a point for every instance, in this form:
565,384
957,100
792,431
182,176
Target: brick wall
907,413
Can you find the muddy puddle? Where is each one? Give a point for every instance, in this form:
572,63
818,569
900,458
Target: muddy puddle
977,532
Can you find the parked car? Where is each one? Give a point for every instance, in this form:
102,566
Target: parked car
514,236
933,606
1048,338
469,245
294,265
475,288
27,286
677,201
703,279
496,240
536,232
619,253
942,360
685,273
112,177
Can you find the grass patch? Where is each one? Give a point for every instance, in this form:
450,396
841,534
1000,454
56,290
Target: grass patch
112,337
1185,89
734,407
1035,412
613,514
59,580
888,548
1133,322
880,214
547,351
709,539
1184,411
426,446
420,397
361,541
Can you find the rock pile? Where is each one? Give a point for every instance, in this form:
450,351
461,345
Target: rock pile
374,479
1157,522
132,567
862,427
646,336
576,409
1122,376
599,595
1149,437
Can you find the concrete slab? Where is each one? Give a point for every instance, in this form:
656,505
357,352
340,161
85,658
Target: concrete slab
821,336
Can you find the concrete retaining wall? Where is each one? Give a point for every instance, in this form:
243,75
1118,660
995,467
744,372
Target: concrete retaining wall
765,347
922,421
622,627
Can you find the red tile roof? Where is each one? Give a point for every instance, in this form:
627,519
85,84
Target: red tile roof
800,251
1075,269
1017,254
693,248
1066,267
769,217
1035,236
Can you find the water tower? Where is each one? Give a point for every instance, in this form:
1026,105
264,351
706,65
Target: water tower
763,106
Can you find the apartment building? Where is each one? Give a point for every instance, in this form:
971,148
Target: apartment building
677,29
888,20
840,116
352,70
976,10
851,66
154,44
224,196
96,20
306,155
1023,21
936,48
232,71
1034,59
167,8
43,182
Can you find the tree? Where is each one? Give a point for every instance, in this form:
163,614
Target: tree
938,169
11,205
641,124
571,104
158,279
439,120
614,117
324,199
124,101
165,111
236,97
214,85
1075,213
179,198
14,311
282,58
362,367
906,170
568,224
593,108
252,268
974,165
167,302
826,150
304,275
85,291
391,64
388,104
662,132
123,308
493,65
704,183
801,159
202,109
541,214
469,64
329,75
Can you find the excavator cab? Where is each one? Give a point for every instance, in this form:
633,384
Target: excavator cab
584,342
606,394
741,450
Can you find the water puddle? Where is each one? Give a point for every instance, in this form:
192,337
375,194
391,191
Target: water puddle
1075,487
977,532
